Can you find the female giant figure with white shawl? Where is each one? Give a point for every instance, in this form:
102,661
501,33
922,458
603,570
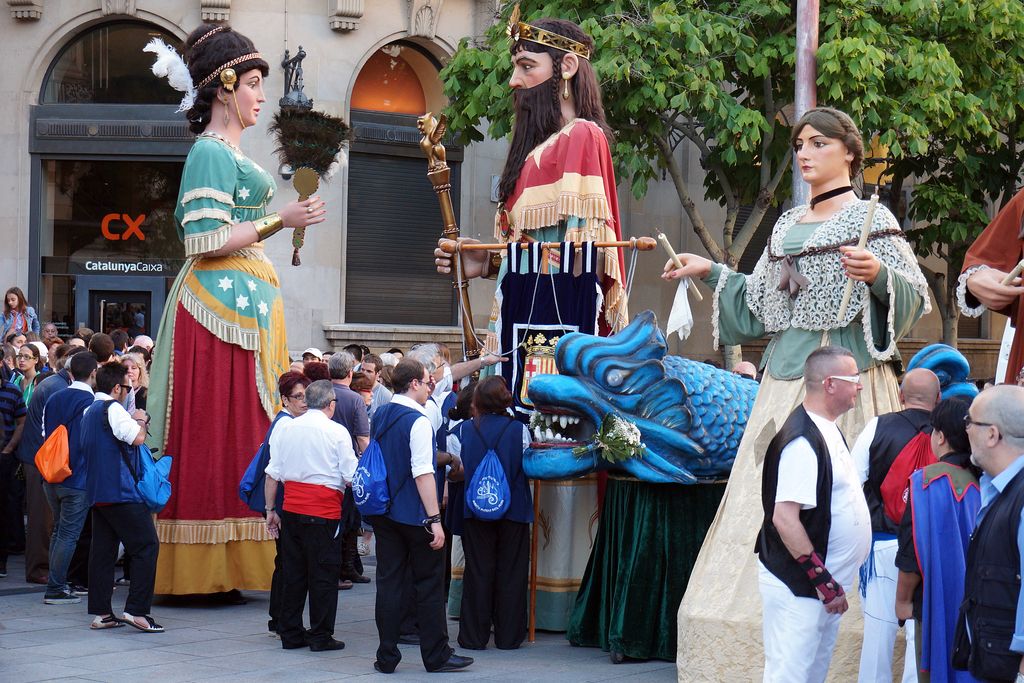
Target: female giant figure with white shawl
794,296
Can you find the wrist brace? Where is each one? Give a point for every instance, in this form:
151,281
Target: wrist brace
820,577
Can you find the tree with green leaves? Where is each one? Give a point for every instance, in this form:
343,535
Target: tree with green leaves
923,78
943,85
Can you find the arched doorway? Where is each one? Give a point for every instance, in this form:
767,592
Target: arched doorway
393,217
107,153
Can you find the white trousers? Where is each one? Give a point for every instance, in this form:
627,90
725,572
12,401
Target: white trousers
799,636
880,623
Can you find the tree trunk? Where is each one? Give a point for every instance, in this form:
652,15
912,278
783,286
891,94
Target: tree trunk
731,355
950,314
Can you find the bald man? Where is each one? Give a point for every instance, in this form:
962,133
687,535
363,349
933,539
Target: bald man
747,369
874,453
993,607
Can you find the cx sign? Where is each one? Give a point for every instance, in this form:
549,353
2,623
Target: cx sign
126,227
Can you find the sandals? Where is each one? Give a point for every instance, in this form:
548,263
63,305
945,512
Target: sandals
151,626
109,621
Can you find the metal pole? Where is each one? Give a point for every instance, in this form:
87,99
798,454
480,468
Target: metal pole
806,79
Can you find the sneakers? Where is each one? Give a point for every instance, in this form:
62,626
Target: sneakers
78,589
64,597
3,569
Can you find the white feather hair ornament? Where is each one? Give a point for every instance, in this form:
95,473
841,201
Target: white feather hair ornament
171,66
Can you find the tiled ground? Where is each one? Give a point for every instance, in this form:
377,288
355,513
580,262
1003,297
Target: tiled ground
219,643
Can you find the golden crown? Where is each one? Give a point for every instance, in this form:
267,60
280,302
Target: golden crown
520,30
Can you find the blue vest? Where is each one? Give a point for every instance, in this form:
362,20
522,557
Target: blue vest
509,449
66,408
393,422
108,480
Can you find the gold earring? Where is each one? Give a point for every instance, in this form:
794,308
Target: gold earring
226,119
565,90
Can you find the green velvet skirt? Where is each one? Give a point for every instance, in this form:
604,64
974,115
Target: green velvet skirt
646,546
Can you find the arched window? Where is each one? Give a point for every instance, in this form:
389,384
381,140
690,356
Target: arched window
106,65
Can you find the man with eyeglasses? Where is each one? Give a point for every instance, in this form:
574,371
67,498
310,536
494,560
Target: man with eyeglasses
817,529
990,630
312,456
409,537
874,453
350,413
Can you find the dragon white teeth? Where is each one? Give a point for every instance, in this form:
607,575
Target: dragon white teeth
549,435
563,420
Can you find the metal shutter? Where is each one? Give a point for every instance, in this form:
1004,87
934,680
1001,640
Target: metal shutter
393,226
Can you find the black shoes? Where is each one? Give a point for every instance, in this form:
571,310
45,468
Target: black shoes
355,577
454,663
327,646
380,668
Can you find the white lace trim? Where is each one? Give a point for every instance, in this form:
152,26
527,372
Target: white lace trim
723,277
890,323
207,193
961,293
816,307
200,214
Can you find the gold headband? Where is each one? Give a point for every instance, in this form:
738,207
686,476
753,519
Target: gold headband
209,33
520,30
227,65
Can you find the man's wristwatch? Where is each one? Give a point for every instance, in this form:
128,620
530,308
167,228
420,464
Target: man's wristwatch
434,519
270,509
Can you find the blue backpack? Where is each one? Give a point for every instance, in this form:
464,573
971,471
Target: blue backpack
370,489
150,476
488,494
250,488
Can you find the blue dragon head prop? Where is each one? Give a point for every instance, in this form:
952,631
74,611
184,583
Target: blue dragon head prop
690,415
950,366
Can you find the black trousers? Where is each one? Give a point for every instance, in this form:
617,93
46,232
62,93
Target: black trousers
276,586
9,516
310,562
402,548
495,583
132,525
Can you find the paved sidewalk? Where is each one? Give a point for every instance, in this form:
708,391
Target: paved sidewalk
221,643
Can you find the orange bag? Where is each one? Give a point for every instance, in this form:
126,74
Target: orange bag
53,457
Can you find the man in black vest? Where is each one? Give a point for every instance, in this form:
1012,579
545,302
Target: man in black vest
873,454
991,645
816,530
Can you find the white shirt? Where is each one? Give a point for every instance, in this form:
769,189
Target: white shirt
122,424
312,449
849,537
432,409
861,450
421,437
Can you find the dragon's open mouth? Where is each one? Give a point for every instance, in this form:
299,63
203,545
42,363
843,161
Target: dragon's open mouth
557,427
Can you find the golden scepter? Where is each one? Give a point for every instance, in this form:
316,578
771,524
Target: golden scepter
440,175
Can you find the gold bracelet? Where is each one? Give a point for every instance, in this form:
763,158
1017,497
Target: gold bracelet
268,225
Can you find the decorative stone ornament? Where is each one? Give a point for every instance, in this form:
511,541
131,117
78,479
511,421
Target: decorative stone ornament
344,15
118,7
423,15
215,11
26,10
